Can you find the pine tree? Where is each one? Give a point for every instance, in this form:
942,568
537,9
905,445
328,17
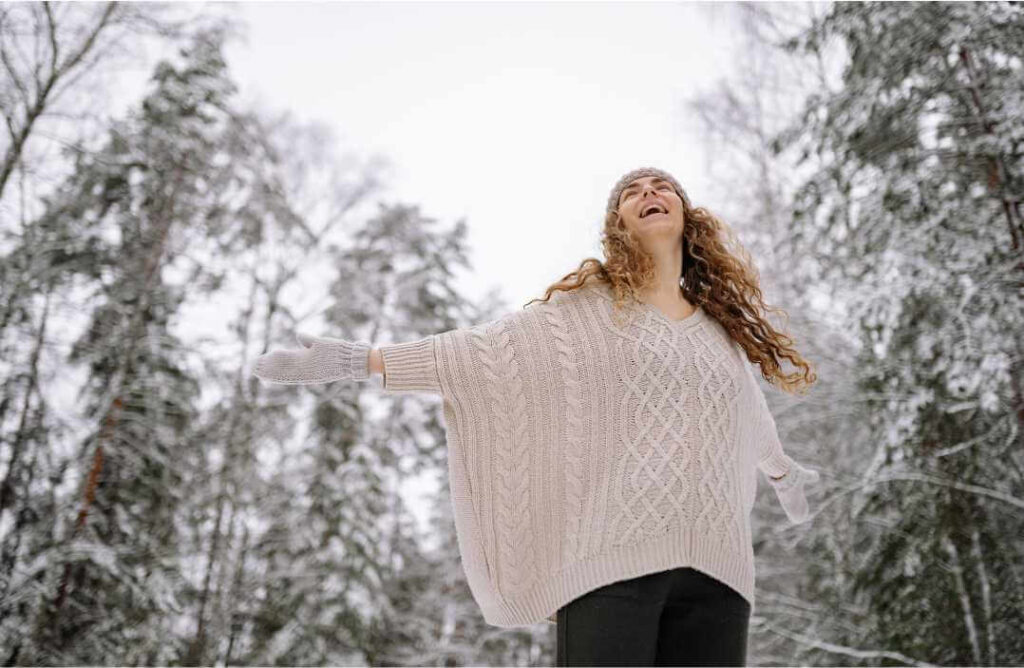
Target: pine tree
114,569
913,212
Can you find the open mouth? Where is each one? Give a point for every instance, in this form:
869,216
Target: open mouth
653,210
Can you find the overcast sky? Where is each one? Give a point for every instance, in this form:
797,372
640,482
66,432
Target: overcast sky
518,116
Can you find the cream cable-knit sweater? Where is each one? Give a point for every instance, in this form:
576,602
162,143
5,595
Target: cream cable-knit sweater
581,452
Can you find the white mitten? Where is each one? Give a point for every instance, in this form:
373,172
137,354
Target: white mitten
320,360
790,491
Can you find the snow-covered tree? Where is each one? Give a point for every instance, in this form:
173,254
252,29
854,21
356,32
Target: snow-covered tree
135,205
913,213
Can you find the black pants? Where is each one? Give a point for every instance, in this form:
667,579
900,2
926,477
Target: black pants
678,617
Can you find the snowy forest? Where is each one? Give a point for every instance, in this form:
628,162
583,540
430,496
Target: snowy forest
161,506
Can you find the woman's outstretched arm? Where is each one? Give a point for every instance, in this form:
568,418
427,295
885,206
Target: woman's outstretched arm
406,367
785,474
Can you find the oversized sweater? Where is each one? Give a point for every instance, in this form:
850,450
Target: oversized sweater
583,450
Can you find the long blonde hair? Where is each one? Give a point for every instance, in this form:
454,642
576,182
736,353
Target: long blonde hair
724,283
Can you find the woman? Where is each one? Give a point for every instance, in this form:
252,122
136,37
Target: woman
603,444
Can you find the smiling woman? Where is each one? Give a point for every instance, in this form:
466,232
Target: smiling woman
603,472
683,258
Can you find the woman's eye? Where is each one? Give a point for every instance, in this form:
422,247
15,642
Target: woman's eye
663,186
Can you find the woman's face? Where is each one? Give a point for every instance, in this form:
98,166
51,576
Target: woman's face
657,226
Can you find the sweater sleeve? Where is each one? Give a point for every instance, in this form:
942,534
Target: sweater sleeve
411,367
771,458
442,363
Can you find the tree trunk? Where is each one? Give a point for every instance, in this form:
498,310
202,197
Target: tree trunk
236,622
999,175
986,595
965,600
6,490
194,656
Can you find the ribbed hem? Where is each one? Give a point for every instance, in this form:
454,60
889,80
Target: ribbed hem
776,464
674,551
410,367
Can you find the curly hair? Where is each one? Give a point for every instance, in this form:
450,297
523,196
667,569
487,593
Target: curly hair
725,284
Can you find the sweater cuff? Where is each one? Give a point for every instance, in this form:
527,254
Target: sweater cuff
410,367
356,360
776,464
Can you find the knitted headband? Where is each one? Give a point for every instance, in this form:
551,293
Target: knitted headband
613,198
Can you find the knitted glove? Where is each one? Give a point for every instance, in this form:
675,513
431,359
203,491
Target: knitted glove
790,491
320,360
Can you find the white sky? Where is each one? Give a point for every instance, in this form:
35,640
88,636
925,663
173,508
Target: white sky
518,116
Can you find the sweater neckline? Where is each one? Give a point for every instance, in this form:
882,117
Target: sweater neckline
689,321
698,316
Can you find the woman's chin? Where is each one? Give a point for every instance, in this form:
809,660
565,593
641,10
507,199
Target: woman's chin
660,229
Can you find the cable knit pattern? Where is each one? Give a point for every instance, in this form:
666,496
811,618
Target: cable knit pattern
574,428
510,419
584,450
